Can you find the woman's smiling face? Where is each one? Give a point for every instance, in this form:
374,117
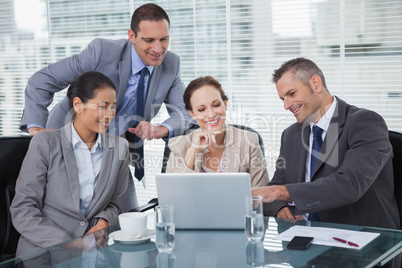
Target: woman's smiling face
208,108
95,115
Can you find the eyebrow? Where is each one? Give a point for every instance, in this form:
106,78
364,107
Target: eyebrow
105,102
151,38
287,93
203,105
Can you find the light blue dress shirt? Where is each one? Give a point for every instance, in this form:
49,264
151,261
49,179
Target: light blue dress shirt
125,117
89,165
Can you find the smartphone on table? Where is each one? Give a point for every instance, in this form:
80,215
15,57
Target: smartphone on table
300,242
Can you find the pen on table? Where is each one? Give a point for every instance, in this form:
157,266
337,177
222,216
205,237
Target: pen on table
345,242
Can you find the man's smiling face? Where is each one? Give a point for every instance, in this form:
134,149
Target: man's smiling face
151,42
298,98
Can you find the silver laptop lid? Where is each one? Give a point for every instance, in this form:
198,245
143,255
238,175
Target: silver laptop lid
205,200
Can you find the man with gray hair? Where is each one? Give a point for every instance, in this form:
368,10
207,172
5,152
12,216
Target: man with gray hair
335,163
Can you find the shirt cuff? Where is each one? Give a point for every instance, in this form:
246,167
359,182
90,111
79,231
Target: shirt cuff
33,125
170,132
95,221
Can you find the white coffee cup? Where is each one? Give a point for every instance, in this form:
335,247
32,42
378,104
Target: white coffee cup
133,224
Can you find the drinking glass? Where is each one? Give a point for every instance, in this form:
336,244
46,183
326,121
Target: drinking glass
165,260
254,228
254,254
165,229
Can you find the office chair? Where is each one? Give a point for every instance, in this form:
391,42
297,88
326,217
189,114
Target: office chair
166,152
396,142
260,140
12,153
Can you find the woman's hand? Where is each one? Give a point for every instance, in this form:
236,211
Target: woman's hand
200,142
102,224
203,139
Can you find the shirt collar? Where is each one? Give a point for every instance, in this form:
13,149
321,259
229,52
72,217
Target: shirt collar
77,141
324,122
137,64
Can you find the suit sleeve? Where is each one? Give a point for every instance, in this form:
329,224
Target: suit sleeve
115,204
279,178
176,163
179,119
367,151
55,77
26,208
258,167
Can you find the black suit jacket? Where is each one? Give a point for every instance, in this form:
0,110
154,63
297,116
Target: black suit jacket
353,179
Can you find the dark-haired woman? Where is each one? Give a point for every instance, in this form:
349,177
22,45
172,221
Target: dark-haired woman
215,146
73,180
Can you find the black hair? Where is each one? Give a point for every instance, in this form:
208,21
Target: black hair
148,12
86,85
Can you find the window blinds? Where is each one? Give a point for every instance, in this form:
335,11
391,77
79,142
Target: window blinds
357,44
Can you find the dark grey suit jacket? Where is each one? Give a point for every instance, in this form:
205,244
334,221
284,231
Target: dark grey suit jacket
353,179
46,206
112,58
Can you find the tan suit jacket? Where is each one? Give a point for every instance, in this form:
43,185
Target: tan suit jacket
243,154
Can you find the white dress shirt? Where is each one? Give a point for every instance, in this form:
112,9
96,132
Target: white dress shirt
323,123
89,163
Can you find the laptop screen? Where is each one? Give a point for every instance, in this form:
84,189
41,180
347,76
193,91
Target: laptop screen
205,200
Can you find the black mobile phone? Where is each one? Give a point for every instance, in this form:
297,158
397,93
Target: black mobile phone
300,242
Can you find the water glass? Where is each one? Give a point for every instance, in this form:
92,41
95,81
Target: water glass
254,228
255,255
165,229
165,260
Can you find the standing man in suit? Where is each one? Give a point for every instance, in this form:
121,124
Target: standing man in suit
348,178
140,62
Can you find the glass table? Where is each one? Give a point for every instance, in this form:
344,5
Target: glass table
215,248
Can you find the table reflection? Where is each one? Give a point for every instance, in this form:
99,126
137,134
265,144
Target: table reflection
165,260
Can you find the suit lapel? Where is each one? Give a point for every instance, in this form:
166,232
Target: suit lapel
71,165
152,86
328,153
233,150
302,140
124,72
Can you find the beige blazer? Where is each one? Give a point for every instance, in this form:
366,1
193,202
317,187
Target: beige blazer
243,154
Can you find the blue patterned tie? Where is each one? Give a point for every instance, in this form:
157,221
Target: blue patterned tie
139,148
317,143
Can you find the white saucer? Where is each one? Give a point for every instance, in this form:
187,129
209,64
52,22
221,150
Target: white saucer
120,236
143,247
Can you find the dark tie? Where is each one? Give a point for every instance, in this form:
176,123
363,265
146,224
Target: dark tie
317,142
139,148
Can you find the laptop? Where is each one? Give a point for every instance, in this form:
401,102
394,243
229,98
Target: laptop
205,200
